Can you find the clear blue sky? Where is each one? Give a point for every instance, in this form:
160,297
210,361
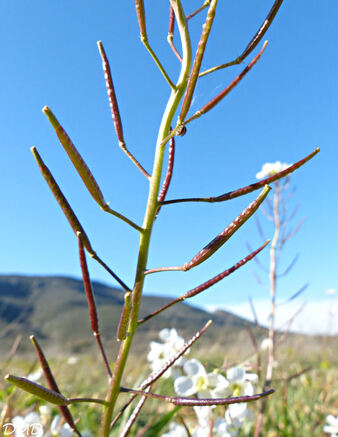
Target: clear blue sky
283,110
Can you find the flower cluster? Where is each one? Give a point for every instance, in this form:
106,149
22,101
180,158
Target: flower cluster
332,425
271,168
159,353
192,379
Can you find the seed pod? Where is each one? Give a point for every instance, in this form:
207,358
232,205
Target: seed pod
76,159
198,61
123,325
141,18
224,236
114,107
62,201
88,288
52,383
38,390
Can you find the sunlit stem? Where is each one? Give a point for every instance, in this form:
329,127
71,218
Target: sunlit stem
150,214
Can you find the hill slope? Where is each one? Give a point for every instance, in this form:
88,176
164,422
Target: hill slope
55,310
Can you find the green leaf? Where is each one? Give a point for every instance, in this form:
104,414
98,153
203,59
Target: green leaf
155,429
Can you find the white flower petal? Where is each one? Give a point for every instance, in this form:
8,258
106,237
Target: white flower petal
194,367
235,373
184,386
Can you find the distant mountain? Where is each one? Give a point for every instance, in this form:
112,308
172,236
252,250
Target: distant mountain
55,310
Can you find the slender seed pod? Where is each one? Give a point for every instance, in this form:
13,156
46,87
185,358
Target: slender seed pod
205,285
203,402
141,18
169,174
123,325
114,107
88,288
198,61
94,321
170,37
76,159
249,188
213,102
171,24
52,383
158,373
62,201
224,236
253,42
37,390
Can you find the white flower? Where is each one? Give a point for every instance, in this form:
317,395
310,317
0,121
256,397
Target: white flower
241,382
236,414
265,345
271,168
332,427
220,429
45,414
160,353
175,430
198,381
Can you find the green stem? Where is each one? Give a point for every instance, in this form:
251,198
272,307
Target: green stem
150,214
158,63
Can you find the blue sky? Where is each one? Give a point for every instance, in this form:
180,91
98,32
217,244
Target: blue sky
283,110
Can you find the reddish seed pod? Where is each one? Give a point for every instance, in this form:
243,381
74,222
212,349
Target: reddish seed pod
76,159
224,236
62,201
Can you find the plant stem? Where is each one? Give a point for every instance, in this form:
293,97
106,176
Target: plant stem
150,214
273,276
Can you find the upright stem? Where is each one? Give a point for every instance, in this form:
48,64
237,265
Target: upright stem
273,276
276,197
150,214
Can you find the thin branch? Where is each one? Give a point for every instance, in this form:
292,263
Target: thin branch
158,373
205,5
290,321
91,304
292,233
109,270
257,261
253,310
205,285
249,188
115,109
298,293
170,37
134,415
213,102
144,38
254,41
221,238
190,402
289,267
